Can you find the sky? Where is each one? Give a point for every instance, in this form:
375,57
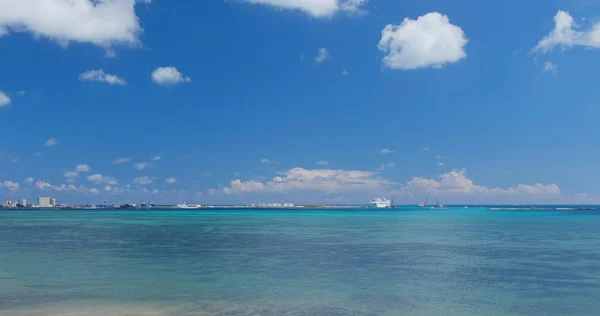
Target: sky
301,101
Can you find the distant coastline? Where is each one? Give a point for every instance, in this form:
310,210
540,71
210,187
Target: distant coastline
299,207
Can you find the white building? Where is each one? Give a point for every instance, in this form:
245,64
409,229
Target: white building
44,202
23,202
53,202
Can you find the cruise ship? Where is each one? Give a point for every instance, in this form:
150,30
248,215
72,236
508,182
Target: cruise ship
380,203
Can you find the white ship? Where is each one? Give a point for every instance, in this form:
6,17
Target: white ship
380,203
186,206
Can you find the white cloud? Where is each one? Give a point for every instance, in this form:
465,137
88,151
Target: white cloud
171,180
322,55
155,191
566,35
237,186
71,174
345,72
386,151
142,165
156,158
266,161
441,164
439,157
322,162
429,41
319,180
108,188
4,99
316,8
121,160
29,179
549,67
142,180
38,154
51,142
43,185
426,149
168,76
99,179
101,76
83,168
12,186
455,187
386,166
101,22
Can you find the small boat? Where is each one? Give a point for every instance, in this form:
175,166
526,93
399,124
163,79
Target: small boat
185,206
424,204
127,206
438,205
147,206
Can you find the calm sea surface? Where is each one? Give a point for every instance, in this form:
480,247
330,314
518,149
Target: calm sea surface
258,262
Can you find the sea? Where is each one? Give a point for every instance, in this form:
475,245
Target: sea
405,261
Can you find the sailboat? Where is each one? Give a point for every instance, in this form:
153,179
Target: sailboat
438,205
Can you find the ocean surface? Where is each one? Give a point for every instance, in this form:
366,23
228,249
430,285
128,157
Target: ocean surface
258,262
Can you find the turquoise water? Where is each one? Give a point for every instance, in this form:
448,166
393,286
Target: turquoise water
400,262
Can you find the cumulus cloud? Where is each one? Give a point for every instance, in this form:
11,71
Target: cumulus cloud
385,151
142,180
171,180
141,165
100,76
100,179
266,161
29,179
345,72
429,41
104,23
321,180
4,99
121,160
71,174
51,142
43,185
166,76
322,55
38,154
156,158
455,186
549,67
566,34
12,186
83,168
315,8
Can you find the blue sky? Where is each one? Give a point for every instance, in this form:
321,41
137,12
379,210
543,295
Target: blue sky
303,101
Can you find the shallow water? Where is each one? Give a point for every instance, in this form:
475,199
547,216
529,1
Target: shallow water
406,261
